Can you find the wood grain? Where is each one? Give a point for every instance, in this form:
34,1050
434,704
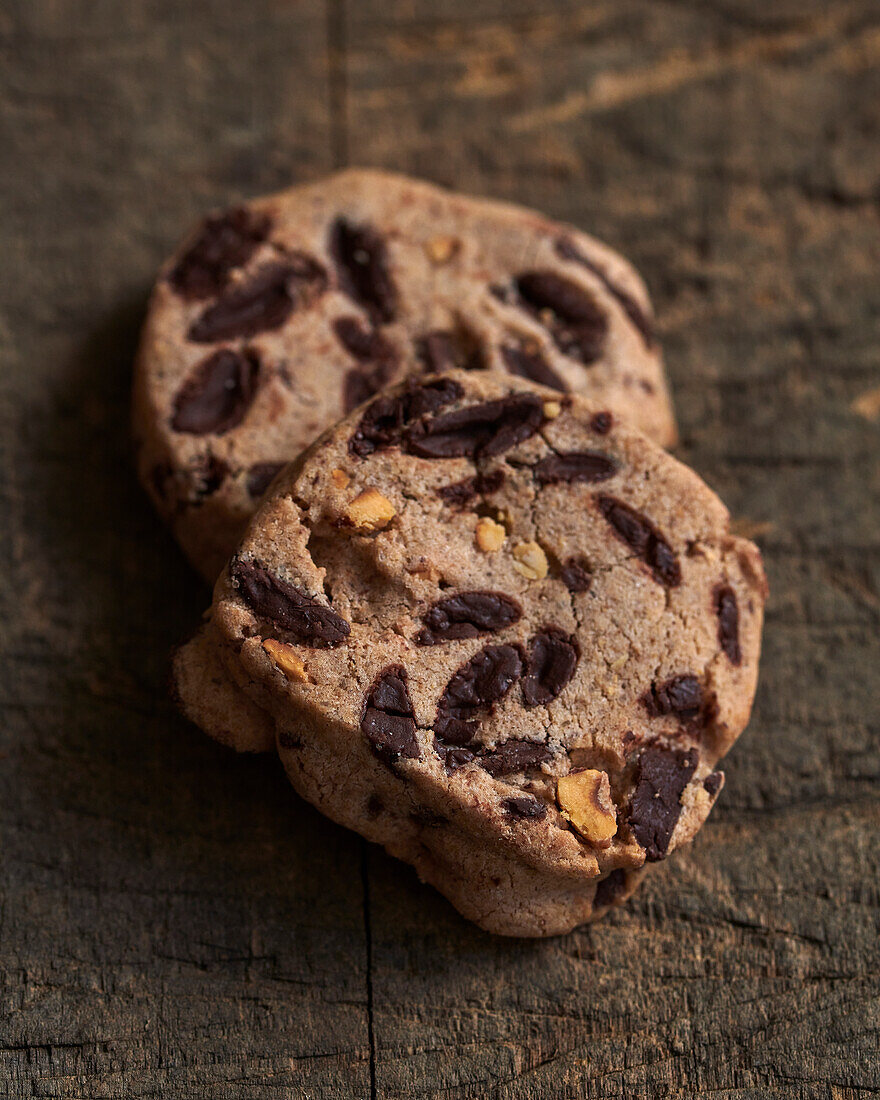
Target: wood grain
173,921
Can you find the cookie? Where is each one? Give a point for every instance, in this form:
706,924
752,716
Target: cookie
278,317
203,690
500,633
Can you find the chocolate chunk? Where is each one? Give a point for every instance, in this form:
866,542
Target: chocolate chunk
552,659
644,325
460,492
309,622
513,756
217,394
575,466
467,615
361,258
364,343
437,351
601,423
475,688
388,720
524,806
610,889
359,386
453,757
680,695
226,241
642,536
576,575
208,474
450,349
727,610
455,731
477,431
712,783
263,303
572,315
661,777
369,347
528,362
383,423
260,476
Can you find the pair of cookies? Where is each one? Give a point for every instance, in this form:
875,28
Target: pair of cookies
484,620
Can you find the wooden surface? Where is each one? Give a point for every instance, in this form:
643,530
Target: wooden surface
173,922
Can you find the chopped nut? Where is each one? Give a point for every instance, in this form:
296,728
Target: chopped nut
489,535
530,561
585,799
370,511
552,409
440,250
340,478
286,659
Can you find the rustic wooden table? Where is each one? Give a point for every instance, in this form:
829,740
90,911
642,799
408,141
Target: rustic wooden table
174,922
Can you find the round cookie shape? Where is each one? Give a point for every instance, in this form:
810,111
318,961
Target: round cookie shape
530,718
277,317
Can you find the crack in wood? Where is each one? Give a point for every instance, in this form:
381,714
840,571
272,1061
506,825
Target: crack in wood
368,963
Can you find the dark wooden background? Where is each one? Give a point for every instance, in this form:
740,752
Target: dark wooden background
174,922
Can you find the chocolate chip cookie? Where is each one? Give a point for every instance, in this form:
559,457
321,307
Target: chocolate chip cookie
497,631
276,318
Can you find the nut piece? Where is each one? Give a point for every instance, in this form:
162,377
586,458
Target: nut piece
340,478
440,250
489,535
370,511
530,561
552,409
585,799
286,659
